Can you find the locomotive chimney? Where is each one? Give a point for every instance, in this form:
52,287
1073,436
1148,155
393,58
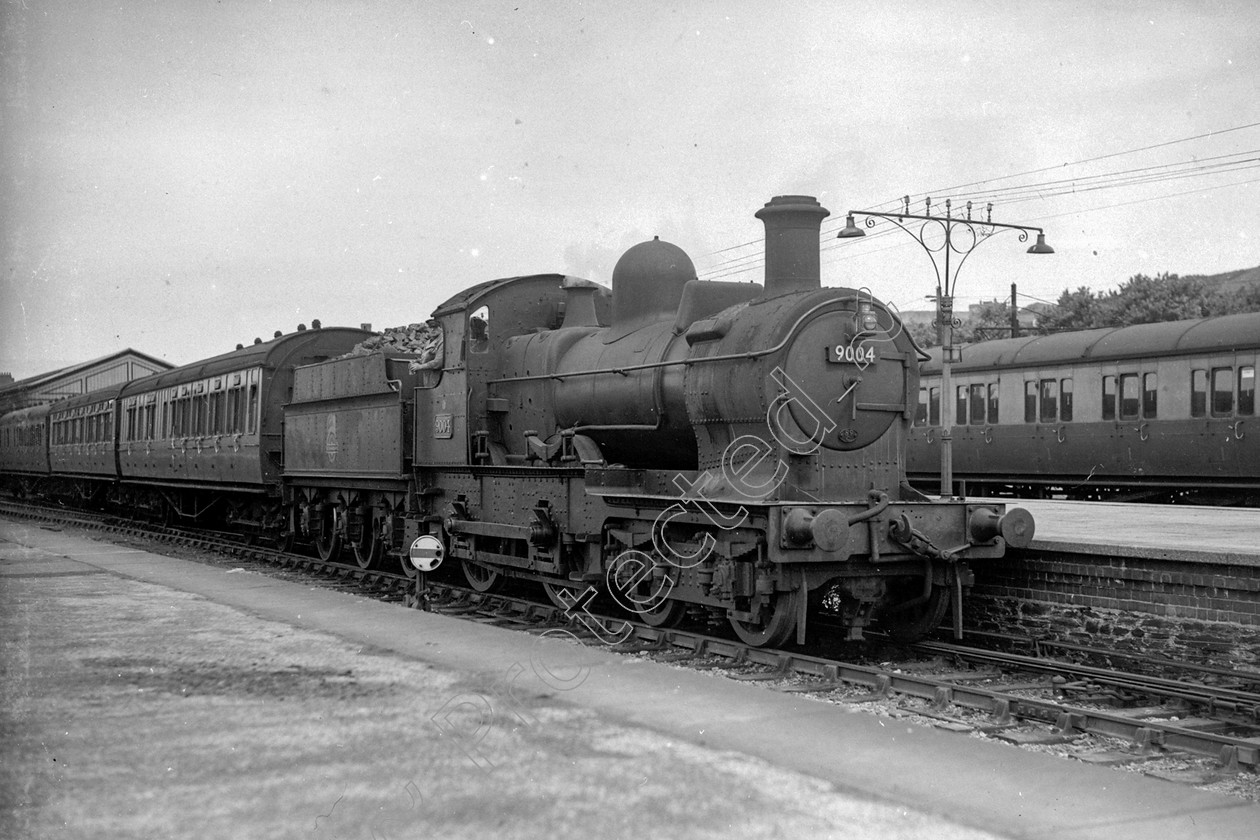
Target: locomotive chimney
793,224
579,303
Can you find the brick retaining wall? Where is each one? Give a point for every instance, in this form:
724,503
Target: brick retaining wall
1190,610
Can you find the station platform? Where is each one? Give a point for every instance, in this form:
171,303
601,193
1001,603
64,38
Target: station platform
1186,533
146,696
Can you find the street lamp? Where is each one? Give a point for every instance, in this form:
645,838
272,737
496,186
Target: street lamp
962,235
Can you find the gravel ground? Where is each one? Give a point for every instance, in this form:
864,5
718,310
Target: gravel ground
135,711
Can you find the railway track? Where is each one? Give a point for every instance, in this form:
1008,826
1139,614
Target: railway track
1023,698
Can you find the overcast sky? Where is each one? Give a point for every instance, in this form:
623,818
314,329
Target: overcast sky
180,176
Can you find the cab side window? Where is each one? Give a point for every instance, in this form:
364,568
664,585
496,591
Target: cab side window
479,330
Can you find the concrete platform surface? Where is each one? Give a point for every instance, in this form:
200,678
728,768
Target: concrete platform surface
145,696
1171,532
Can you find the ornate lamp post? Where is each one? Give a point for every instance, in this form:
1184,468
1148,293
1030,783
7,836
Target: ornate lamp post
961,236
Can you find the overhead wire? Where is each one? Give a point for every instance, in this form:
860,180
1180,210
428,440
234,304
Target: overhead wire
1126,178
1078,162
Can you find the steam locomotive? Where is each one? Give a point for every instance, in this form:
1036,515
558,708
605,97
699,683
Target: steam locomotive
723,451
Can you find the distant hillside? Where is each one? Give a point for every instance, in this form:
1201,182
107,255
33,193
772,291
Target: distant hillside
1230,281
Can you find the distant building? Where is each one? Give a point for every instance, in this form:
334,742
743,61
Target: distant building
113,369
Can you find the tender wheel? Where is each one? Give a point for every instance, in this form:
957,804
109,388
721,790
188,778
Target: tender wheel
777,628
913,623
409,571
327,535
367,549
482,578
280,531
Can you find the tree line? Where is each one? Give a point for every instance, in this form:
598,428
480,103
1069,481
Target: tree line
1138,300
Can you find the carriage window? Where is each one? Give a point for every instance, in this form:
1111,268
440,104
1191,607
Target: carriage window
251,416
1049,401
1030,401
977,404
1222,392
1065,400
1247,390
479,330
960,405
993,403
1130,397
1150,395
921,413
1198,393
934,407
1109,398
233,411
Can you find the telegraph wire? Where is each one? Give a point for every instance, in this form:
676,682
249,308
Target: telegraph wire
1055,188
751,262
1205,135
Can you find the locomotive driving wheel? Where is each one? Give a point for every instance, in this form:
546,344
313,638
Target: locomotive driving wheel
667,613
553,591
777,625
646,603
